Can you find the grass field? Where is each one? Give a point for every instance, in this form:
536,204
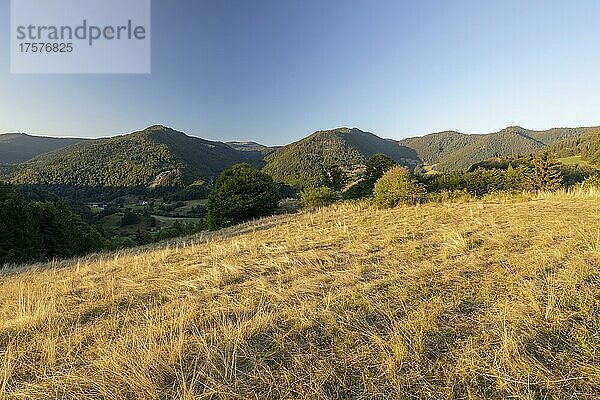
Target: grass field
170,221
574,160
482,300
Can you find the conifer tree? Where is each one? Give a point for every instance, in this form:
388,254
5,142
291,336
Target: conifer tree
545,174
335,178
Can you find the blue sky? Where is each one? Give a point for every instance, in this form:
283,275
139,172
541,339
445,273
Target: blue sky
274,71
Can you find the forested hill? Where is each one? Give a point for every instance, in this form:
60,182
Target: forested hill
252,147
160,156
587,146
302,163
435,146
19,147
156,156
451,150
254,151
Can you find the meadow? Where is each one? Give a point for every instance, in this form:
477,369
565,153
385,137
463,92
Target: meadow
488,299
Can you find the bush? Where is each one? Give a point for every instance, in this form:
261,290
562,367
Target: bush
378,165
288,206
360,190
593,181
319,197
64,234
335,178
125,242
20,240
241,193
198,211
395,188
479,181
129,218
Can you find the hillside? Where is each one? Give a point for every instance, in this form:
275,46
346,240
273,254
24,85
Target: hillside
555,135
587,146
252,147
255,151
446,301
156,156
19,147
435,146
6,172
452,150
160,156
508,142
301,163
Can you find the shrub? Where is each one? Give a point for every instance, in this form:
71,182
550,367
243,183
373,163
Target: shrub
63,233
198,211
335,178
479,181
241,193
359,190
129,218
592,181
40,231
288,206
395,188
319,197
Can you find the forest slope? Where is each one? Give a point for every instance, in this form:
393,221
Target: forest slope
450,150
19,147
157,156
303,163
587,146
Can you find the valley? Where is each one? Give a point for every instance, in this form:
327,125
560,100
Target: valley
153,185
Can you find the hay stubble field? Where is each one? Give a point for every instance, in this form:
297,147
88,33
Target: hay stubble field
477,300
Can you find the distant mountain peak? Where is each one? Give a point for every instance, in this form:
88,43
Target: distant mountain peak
157,127
301,164
514,129
245,142
161,128
342,129
157,155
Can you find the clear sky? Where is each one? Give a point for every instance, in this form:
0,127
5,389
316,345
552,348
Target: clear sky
274,71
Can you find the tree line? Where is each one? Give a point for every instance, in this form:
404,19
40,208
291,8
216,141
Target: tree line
33,231
390,184
46,228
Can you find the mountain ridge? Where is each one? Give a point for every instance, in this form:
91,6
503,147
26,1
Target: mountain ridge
134,159
303,163
20,147
450,150
163,156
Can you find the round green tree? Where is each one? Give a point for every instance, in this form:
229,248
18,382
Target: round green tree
241,193
395,188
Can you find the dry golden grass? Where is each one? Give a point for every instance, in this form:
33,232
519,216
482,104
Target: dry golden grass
440,301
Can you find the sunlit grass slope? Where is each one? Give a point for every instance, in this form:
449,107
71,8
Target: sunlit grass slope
440,301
